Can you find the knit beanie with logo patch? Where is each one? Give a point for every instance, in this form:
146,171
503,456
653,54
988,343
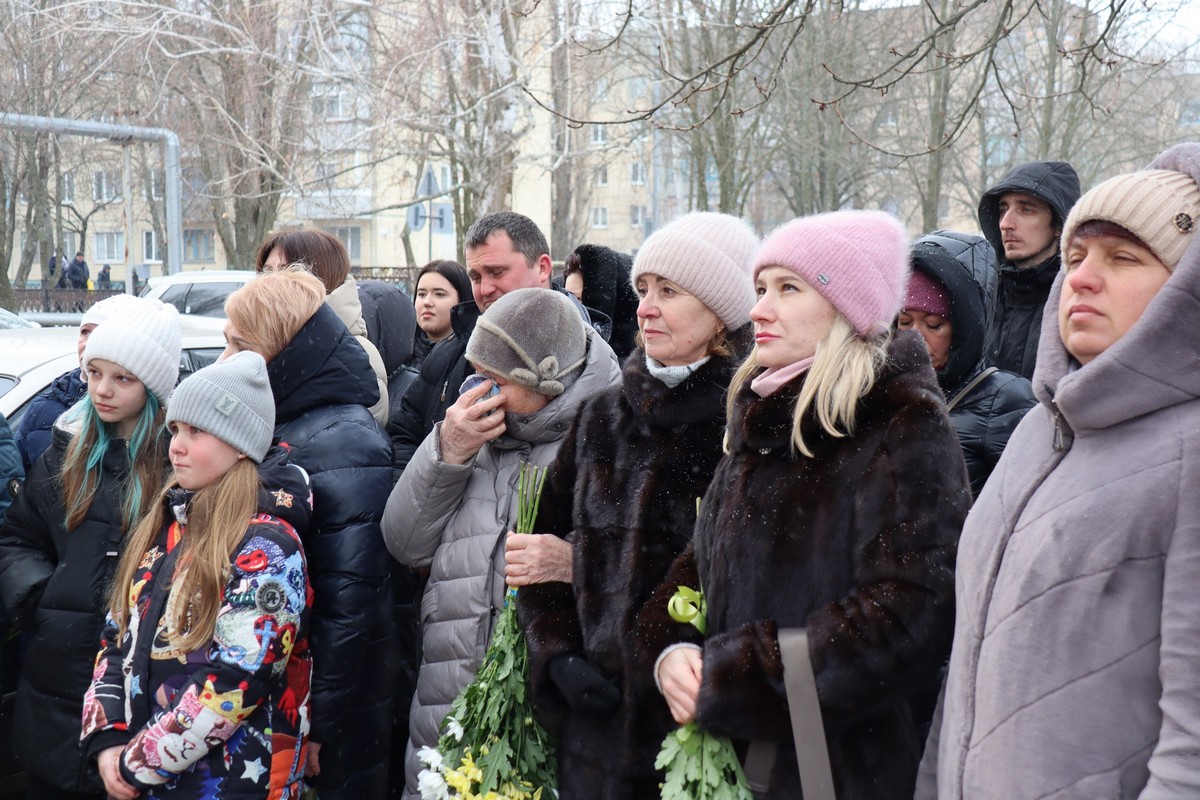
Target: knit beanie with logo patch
231,400
532,337
857,260
709,255
1159,206
146,340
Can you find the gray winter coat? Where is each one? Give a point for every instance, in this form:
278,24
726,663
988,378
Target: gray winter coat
1076,664
452,519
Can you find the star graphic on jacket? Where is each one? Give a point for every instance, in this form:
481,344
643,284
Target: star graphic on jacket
254,770
283,499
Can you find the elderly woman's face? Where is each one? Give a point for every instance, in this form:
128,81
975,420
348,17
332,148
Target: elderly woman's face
1110,281
676,326
518,399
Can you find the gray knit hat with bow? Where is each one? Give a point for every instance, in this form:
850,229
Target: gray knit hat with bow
232,400
532,337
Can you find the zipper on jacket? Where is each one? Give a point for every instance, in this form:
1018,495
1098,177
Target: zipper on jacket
1060,423
445,386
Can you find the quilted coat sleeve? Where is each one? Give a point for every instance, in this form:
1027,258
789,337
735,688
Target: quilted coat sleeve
421,503
249,654
892,630
547,610
1009,406
27,553
1175,763
11,468
350,467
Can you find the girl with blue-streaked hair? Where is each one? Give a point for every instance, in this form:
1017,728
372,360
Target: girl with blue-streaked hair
65,532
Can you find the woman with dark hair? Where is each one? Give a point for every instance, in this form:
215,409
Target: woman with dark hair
836,510
322,382
325,256
1073,672
441,285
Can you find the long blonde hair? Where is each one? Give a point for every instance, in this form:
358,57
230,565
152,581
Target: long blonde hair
218,517
270,310
843,371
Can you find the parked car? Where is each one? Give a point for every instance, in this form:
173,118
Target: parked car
30,358
9,321
201,293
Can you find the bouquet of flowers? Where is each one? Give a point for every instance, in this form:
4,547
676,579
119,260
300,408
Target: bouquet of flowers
492,747
699,765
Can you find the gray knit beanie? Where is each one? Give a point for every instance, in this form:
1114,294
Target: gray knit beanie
1159,206
144,339
532,337
232,400
709,255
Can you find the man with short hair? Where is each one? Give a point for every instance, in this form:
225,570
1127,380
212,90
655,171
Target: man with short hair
1022,216
77,273
505,251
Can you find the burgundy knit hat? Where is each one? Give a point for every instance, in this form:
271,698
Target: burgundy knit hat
926,293
858,260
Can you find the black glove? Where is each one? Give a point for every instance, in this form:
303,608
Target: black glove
584,687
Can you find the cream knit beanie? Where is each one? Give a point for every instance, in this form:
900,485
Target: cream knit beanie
709,255
145,340
1159,206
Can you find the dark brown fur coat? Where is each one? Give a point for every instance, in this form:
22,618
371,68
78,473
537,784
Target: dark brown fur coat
857,544
625,486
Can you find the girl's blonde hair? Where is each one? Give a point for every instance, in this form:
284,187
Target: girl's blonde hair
270,310
843,371
84,460
218,517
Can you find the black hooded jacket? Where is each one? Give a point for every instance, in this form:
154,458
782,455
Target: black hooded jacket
606,289
1016,325
323,385
983,415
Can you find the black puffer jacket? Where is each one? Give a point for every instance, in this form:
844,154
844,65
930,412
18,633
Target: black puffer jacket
32,433
625,484
986,415
55,584
1016,325
322,382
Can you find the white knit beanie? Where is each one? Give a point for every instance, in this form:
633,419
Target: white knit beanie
232,400
144,340
532,337
709,255
1159,206
109,307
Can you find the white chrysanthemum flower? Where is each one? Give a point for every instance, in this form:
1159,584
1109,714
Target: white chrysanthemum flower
454,728
432,786
430,757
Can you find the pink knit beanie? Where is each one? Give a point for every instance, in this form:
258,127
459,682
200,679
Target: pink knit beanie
926,293
709,255
858,260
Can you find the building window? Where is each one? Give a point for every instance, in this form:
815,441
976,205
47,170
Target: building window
155,190
68,189
1190,113
637,173
327,175
106,185
150,251
599,216
329,104
602,176
110,246
351,237
637,216
599,134
197,245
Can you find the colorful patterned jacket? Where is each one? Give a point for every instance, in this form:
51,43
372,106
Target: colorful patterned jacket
230,721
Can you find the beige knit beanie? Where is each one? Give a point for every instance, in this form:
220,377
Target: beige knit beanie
709,255
1159,206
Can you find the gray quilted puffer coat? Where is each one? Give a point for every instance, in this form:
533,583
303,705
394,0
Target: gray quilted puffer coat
1076,664
452,519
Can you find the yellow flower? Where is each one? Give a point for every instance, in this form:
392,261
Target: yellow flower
458,782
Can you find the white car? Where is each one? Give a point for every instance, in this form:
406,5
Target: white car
201,292
31,358
9,320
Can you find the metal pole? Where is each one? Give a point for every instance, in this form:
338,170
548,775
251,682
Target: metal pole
107,130
127,196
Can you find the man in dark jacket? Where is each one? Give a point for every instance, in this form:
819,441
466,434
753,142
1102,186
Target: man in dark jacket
505,251
1022,216
77,272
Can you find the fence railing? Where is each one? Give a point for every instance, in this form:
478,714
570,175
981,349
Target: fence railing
58,301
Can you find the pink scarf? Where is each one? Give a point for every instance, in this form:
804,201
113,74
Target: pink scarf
771,380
